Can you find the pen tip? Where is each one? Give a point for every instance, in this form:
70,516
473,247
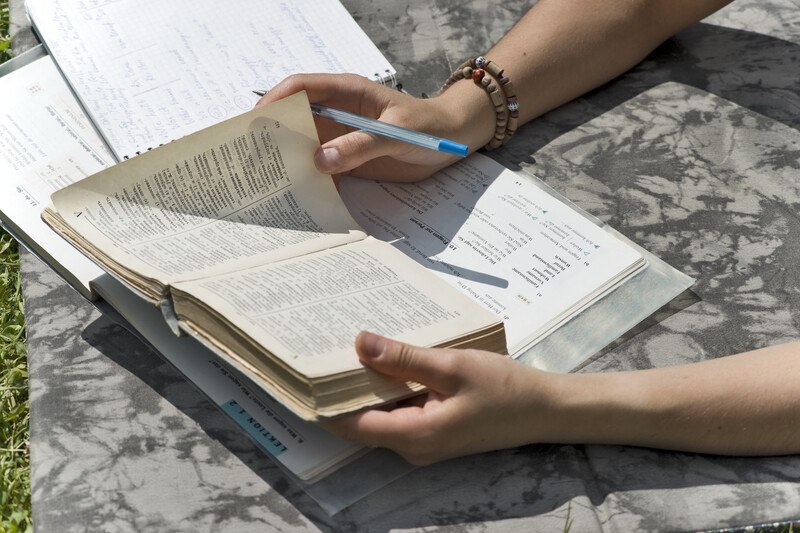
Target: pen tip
260,93
452,147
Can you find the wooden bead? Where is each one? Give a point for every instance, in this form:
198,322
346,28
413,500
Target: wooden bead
501,93
493,69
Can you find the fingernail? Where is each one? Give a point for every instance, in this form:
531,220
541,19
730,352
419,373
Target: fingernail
372,346
328,160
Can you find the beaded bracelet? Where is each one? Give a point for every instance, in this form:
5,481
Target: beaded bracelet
490,77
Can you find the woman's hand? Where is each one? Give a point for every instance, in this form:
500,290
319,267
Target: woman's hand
477,401
345,150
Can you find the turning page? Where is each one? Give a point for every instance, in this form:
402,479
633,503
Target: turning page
150,71
242,193
520,252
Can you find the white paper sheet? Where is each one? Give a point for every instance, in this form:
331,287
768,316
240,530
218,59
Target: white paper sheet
47,143
150,71
523,254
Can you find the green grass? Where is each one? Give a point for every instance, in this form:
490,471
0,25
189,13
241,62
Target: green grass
5,42
15,490
15,493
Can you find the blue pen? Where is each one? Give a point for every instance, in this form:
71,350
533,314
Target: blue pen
387,130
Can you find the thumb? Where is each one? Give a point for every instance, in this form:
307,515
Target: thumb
349,151
436,368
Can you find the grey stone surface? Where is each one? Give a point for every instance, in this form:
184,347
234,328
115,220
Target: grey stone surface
20,28
694,154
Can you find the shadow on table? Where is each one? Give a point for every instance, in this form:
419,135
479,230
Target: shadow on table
750,69
112,336
531,481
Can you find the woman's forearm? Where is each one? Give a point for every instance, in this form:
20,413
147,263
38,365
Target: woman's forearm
556,52
561,49
744,404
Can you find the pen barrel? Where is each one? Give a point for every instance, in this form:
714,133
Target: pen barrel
390,130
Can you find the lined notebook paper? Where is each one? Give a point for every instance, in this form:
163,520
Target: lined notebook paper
150,71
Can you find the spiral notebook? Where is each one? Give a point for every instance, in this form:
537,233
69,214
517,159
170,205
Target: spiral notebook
148,71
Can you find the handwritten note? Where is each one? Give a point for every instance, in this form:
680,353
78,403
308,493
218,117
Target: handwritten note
150,71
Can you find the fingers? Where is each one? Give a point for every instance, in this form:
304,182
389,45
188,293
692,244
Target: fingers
438,369
408,430
344,151
388,169
360,153
352,150
333,89
439,426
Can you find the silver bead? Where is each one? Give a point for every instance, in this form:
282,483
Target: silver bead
513,106
480,61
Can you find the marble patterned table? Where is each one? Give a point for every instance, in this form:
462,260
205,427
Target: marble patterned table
694,154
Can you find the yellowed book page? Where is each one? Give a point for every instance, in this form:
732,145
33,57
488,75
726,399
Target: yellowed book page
238,194
308,311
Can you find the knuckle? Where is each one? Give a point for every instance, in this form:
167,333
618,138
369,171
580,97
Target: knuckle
427,448
405,356
450,362
473,361
354,143
352,80
422,454
423,442
293,81
401,116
